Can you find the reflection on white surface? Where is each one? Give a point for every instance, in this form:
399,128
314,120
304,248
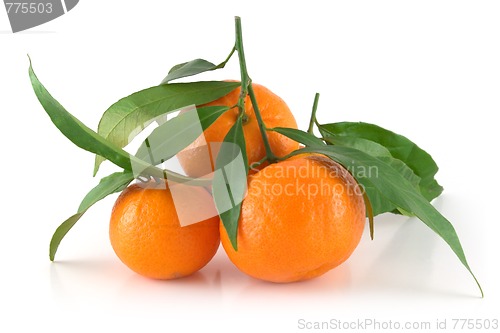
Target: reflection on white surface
406,272
399,261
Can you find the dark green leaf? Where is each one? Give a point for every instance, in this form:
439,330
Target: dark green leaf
299,136
176,134
193,67
85,138
113,183
399,146
190,68
396,189
76,131
122,121
379,204
60,232
369,213
230,179
377,150
230,220
235,146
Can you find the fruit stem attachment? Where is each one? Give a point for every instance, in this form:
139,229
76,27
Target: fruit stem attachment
247,89
312,121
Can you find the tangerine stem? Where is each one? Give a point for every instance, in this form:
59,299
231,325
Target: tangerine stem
238,46
247,89
313,114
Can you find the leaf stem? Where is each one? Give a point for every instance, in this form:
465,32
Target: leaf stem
222,64
247,89
142,168
313,114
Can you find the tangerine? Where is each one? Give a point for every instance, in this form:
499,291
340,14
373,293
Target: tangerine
147,236
301,218
197,159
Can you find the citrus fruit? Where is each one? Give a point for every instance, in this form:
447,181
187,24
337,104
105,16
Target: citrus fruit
197,159
301,218
146,234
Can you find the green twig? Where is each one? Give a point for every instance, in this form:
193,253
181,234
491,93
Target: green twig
313,114
245,79
255,165
247,89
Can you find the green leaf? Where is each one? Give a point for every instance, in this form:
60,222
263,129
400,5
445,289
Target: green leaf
236,138
377,150
194,67
113,183
369,147
369,213
398,190
176,134
125,119
85,138
378,203
190,68
76,131
60,232
399,146
230,179
299,136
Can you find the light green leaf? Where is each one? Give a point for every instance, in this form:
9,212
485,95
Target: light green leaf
126,118
369,147
113,183
176,134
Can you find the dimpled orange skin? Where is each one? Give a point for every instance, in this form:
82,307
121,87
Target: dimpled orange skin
274,112
146,235
289,237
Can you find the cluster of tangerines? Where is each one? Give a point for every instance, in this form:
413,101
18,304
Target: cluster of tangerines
282,236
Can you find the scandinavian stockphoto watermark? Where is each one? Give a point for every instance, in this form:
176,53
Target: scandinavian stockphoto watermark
288,180
221,167
187,194
28,14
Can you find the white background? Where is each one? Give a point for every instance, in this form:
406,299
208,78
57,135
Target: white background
427,69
